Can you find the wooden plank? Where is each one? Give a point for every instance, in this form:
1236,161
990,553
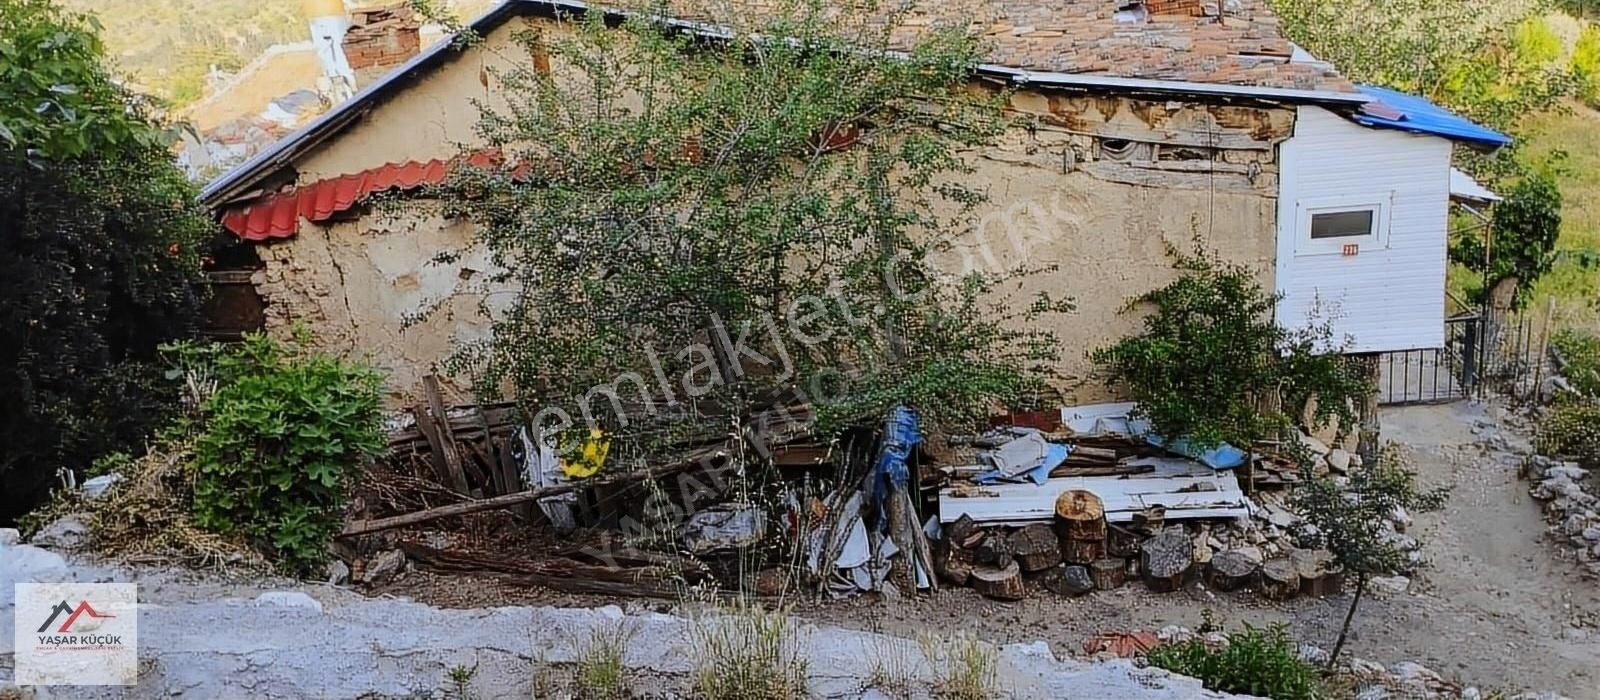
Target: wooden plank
441,472
1184,497
447,440
369,526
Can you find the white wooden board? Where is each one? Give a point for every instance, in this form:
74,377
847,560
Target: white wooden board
1184,495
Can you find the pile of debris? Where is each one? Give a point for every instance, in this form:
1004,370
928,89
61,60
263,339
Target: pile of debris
1099,500
1573,511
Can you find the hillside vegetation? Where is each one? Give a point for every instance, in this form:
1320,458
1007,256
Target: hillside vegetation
166,47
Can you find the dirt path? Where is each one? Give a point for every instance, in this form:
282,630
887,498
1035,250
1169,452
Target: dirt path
1495,610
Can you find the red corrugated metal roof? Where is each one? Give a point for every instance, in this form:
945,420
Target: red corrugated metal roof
278,215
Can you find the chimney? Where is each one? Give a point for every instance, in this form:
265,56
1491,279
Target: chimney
381,38
328,27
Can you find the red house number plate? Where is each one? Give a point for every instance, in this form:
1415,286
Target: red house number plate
1352,249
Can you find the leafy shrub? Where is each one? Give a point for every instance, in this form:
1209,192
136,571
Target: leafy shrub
1255,661
280,436
1210,351
1572,429
1582,354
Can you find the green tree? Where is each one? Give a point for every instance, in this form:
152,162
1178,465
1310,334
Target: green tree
790,186
1351,522
1211,364
99,254
1519,247
1491,62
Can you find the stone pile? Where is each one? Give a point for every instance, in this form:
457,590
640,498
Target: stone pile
1569,504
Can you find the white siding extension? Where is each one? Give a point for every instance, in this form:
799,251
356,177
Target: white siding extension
1391,294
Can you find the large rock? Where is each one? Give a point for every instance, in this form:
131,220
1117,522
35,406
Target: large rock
24,563
1339,460
9,536
66,533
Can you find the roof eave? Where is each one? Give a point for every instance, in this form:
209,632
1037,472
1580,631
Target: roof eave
235,182
1081,81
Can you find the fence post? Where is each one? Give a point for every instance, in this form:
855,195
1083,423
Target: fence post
1368,446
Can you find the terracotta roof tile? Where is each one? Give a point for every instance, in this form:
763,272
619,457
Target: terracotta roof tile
1183,40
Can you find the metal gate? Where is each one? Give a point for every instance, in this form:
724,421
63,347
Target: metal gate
1435,375
1481,353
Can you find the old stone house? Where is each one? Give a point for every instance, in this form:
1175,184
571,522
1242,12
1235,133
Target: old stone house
1140,124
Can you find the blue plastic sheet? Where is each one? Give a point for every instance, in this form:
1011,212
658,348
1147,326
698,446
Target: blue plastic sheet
1053,457
901,434
1223,456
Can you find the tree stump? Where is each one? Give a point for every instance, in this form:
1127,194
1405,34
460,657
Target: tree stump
1067,580
1080,515
1080,527
1000,583
953,564
1108,574
1319,575
1122,541
1034,548
1083,552
1166,560
1279,581
1232,570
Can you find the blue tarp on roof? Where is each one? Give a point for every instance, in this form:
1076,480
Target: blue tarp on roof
1418,115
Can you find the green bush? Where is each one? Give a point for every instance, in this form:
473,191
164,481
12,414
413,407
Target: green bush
1572,429
1582,354
279,439
1210,351
1255,661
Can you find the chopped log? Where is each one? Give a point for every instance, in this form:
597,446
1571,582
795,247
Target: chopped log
1122,541
1319,575
1279,581
964,532
1000,583
1082,552
1067,580
1232,570
1166,560
953,564
994,550
1035,548
1108,574
1080,515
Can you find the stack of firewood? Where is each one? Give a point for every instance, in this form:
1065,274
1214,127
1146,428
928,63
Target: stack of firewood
1081,552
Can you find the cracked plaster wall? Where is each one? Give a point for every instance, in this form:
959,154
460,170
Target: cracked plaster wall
1096,185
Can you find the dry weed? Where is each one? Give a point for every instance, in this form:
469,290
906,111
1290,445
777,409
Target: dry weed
747,652
599,672
146,517
964,668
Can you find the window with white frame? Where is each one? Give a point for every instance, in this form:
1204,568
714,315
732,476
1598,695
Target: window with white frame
1332,226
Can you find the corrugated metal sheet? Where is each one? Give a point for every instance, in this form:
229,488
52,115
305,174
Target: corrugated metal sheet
279,215
1398,110
1385,298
